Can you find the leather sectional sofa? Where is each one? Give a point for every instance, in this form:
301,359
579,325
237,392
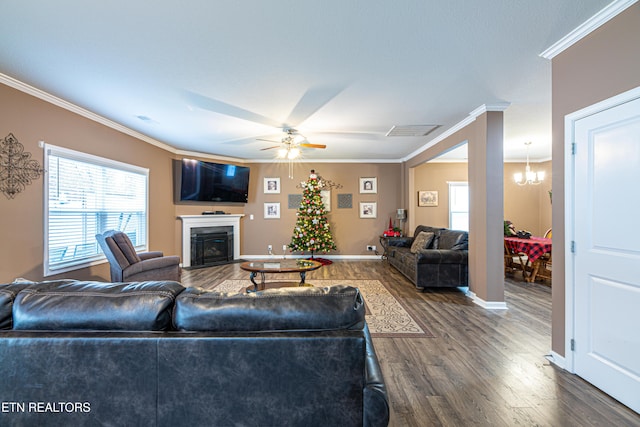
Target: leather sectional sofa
441,262
158,354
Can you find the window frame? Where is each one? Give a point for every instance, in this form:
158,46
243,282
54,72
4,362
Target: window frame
79,156
452,184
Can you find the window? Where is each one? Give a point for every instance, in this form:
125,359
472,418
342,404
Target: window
459,206
86,195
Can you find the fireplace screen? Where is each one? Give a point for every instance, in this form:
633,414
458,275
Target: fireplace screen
211,246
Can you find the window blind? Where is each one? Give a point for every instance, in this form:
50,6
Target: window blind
86,195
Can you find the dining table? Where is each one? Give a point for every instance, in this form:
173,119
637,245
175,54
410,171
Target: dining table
534,248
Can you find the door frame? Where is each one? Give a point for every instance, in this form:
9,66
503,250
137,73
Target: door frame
569,213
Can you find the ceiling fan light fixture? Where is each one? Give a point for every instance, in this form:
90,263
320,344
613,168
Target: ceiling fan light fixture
293,153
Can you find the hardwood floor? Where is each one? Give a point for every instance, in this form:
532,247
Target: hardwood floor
483,368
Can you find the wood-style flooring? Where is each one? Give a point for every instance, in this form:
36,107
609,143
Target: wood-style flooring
484,368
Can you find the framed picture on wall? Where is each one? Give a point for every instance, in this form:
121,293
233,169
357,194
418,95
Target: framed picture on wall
271,210
368,209
326,199
272,186
369,185
427,198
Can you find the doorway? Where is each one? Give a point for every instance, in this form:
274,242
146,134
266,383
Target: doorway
602,281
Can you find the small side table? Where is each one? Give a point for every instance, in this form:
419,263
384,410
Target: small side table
384,242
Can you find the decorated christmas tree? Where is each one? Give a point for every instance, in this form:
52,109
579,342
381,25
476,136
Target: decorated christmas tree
312,232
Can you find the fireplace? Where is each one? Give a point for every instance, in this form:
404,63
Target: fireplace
227,223
211,246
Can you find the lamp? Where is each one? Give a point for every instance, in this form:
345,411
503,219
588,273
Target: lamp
401,217
529,177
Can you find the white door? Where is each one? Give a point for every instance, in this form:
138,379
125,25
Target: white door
606,220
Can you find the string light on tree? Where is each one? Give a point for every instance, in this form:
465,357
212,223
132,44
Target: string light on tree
312,232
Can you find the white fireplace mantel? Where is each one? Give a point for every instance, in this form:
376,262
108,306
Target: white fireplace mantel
195,221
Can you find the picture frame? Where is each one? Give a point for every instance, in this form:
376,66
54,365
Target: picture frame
368,209
369,185
272,185
272,210
326,199
427,198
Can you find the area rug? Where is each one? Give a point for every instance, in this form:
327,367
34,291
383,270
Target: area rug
386,316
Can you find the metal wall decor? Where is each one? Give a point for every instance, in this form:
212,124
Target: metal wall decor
294,201
324,184
345,201
17,168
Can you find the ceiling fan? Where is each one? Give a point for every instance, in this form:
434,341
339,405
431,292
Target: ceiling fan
290,144
313,99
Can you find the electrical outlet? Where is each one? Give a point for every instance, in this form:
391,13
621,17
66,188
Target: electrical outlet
371,248
284,248
269,248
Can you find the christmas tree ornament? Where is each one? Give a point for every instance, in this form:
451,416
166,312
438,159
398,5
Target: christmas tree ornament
311,232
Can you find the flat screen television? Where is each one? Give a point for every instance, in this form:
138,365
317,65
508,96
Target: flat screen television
198,181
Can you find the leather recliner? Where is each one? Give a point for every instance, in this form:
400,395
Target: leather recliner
127,265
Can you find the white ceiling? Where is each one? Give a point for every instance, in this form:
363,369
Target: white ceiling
211,76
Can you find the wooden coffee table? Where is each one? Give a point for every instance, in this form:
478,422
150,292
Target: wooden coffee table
278,266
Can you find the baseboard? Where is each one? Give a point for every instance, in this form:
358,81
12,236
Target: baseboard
556,359
489,305
349,257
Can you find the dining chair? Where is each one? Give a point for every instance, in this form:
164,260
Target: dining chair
545,267
514,261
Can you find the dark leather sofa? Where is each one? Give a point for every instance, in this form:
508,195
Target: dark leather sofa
157,354
442,263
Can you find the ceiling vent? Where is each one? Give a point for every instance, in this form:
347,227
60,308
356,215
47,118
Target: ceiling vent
412,130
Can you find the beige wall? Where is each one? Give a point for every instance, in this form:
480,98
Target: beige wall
350,232
31,120
434,176
602,65
528,207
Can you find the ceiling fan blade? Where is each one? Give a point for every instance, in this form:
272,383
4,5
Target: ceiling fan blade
313,99
241,141
220,107
312,145
268,140
270,148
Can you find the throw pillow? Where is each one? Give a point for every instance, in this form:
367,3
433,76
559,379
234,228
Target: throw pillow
422,241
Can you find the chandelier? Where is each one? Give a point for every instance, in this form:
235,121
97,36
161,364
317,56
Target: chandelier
529,177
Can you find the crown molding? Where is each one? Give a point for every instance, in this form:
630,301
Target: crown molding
605,15
498,106
303,160
40,94
188,153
